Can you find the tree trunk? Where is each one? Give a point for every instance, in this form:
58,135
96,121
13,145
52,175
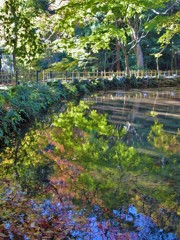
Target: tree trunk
127,71
118,64
157,67
15,68
135,36
15,39
139,57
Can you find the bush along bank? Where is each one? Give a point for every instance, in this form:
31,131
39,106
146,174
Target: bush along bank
22,103
78,87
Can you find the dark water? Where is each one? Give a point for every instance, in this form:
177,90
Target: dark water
154,195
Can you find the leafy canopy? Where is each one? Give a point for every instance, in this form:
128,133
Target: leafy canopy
22,38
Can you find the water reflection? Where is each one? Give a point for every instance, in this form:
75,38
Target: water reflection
141,112
137,107
25,163
81,160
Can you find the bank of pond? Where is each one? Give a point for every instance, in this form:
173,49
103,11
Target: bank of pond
104,166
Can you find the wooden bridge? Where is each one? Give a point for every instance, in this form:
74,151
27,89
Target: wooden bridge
10,78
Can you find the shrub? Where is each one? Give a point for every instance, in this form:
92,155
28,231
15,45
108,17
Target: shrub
20,104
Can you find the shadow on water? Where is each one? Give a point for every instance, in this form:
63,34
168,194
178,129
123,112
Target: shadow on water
100,169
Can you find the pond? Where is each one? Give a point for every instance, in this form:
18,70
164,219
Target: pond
82,175
138,110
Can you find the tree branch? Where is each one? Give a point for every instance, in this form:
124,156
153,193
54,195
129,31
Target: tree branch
167,10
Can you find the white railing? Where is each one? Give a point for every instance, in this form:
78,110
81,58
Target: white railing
46,75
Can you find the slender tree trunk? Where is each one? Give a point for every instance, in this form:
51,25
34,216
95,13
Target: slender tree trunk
118,64
15,68
127,71
105,60
15,40
127,65
157,66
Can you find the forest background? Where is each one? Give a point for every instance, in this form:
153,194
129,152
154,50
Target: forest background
91,35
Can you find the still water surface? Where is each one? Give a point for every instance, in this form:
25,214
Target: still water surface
137,110
152,193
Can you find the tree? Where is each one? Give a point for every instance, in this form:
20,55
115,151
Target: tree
118,26
22,38
106,24
166,22
109,20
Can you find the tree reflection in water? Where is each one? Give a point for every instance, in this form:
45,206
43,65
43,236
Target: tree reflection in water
81,163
